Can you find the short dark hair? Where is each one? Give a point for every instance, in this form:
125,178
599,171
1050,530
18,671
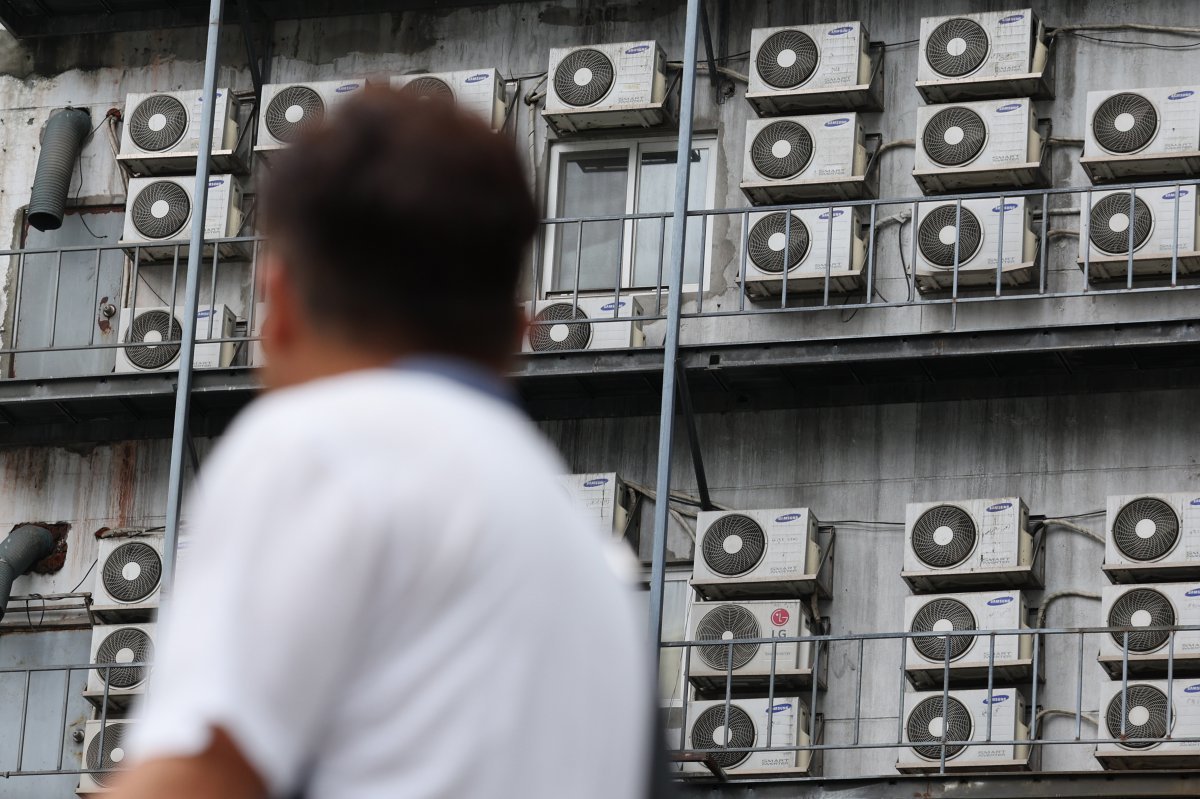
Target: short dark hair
405,222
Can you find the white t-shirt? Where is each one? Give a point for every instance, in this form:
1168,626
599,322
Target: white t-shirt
389,597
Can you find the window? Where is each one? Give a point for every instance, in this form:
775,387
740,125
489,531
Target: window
597,179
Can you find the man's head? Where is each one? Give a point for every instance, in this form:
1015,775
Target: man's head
398,228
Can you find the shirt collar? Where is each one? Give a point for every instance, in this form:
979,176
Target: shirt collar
463,372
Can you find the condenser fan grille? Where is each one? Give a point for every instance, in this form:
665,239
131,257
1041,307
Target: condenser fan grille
161,209
954,136
131,572
733,545
1125,123
710,730
158,123
941,615
126,645
1145,716
110,759
957,47
1145,529
567,334
937,234
428,89
787,59
1142,607
727,622
944,536
147,330
583,77
927,723
782,150
1108,223
292,111
768,238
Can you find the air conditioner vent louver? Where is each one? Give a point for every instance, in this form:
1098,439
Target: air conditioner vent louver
940,615
583,77
158,123
787,59
928,723
726,622
1108,223
710,730
161,209
292,111
1145,716
1145,529
1125,123
767,239
937,234
428,88
104,763
570,334
734,545
131,572
954,136
125,645
782,150
957,47
149,328
1142,607
944,536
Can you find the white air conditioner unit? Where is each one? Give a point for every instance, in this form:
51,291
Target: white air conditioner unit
975,239
1153,536
989,54
968,655
603,497
1157,240
166,125
818,157
1148,710
786,621
806,249
158,214
128,576
558,324
810,67
745,727
142,329
1153,605
1142,132
986,144
959,724
480,91
979,542
287,110
757,553
606,86
103,754
121,644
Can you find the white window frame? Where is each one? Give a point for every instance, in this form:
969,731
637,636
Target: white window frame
637,147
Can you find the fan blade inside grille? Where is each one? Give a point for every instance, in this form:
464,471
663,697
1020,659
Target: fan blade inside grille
787,59
583,77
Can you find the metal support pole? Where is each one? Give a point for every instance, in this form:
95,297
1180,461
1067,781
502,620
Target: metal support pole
666,423
180,435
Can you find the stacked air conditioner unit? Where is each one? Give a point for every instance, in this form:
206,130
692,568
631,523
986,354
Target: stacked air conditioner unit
1160,223
759,553
151,339
817,243
967,656
1142,132
1136,716
1135,611
128,575
480,91
162,130
113,647
604,498
811,67
286,110
969,542
158,214
989,54
595,323
985,144
1153,536
750,724
606,86
979,235
803,157
749,665
954,729
104,753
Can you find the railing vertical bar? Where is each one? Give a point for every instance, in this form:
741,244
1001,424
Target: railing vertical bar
828,256
683,708
1129,240
771,685
954,302
1124,681
858,692
62,720
1079,690
703,244
812,701
729,693
1175,242
991,681
912,272
742,268
20,279
1085,240
945,670
1033,690
1000,257
1044,240
787,252
212,288
24,719
901,691
1170,677
96,297
870,252
578,267
54,299
662,249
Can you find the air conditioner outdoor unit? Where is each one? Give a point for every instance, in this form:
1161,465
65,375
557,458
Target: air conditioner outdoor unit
818,157
558,324
805,249
961,724
989,54
985,144
158,214
810,67
787,622
103,754
128,575
1142,132
968,656
165,126
1157,240
972,542
986,232
606,86
286,110
142,329
119,643
757,553
480,91
1149,710
1153,605
745,726
1153,537
603,497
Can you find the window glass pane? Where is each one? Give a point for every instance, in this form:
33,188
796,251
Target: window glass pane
656,192
590,184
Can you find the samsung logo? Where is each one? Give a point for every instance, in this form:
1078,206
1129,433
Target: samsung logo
837,123
781,707
1000,600
996,699
204,314
212,184
1183,95
612,306
1001,209
347,87
641,48
999,506
599,481
1009,20
1193,592
1171,196
1195,502
1192,689
477,78
789,517
834,214
842,31
1004,109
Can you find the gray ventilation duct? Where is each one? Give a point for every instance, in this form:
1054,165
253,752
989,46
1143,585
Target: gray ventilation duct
19,551
61,143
